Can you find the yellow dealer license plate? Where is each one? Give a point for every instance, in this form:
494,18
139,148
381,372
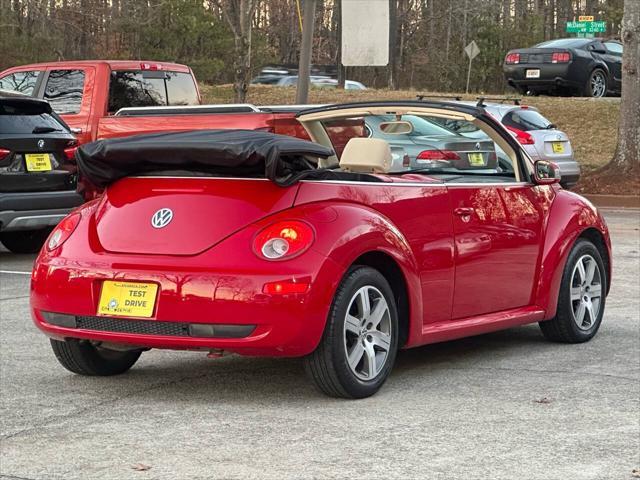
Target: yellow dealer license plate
38,162
127,299
557,147
476,160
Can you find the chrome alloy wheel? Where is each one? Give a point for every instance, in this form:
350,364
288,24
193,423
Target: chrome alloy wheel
586,292
598,84
367,333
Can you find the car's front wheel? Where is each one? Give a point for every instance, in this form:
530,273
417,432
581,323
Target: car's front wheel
582,297
360,341
83,358
24,241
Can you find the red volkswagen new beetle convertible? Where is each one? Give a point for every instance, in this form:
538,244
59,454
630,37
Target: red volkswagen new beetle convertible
259,244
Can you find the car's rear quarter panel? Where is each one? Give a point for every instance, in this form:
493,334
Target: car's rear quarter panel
410,224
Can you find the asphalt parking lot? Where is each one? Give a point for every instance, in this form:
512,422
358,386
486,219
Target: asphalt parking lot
500,406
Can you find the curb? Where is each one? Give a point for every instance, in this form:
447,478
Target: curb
617,201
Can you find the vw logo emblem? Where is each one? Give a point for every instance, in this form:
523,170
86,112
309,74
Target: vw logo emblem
40,144
478,146
162,218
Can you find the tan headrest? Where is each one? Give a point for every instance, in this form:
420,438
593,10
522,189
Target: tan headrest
366,155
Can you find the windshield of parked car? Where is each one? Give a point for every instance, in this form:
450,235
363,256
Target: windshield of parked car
26,118
457,126
526,120
564,43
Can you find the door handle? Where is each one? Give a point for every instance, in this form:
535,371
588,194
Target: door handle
464,211
75,130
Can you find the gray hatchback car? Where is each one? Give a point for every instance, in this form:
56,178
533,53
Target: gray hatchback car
539,137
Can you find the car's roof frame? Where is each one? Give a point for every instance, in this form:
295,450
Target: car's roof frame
310,119
469,110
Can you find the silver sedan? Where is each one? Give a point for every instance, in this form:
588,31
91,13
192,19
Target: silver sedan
540,138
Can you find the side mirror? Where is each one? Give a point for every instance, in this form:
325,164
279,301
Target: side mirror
546,173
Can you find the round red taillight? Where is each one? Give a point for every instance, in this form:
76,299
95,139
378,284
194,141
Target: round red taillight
63,231
283,240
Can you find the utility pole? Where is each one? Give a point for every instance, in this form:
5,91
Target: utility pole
341,68
304,67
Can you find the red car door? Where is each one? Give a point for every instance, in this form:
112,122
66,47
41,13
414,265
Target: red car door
498,232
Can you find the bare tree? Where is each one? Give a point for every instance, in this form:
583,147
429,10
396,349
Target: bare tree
238,14
627,157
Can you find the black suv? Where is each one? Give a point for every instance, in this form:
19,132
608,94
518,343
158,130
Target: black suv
38,176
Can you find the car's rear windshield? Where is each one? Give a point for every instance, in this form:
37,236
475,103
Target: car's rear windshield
564,43
25,118
142,88
526,120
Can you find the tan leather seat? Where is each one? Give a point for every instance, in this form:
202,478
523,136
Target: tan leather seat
366,155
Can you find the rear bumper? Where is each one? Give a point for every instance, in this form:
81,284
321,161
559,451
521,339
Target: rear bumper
551,76
35,210
197,308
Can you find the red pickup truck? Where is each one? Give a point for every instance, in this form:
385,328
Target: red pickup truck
103,99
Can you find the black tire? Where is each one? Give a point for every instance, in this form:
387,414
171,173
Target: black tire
24,241
327,366
84,359
590,91
563,327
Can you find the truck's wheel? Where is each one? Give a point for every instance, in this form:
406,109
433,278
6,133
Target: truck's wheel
84,359
360,341
582,297
24,241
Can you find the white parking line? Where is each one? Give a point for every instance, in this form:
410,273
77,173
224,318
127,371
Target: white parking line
15,272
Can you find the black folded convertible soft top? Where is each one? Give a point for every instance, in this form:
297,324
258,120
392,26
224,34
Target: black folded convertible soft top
283,160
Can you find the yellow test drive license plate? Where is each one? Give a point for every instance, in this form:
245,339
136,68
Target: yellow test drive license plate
476,160
38,162
557,147
127,299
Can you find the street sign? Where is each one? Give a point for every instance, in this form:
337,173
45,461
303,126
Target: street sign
586,18
587,27
365,32
472,50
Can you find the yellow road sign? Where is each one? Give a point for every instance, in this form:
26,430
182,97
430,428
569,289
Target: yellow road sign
586,18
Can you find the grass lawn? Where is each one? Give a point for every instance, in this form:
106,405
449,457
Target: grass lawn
592,124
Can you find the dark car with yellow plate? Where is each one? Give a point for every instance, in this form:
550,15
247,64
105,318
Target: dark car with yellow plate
38,177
